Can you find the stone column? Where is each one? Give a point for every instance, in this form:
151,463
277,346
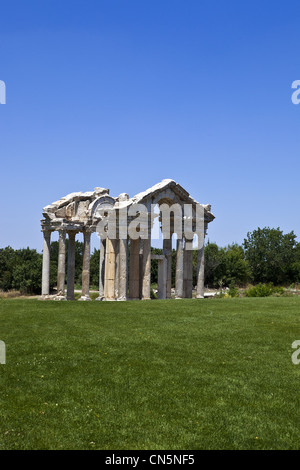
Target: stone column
167,251
141,270
123,269
134,271
61,268
110,259
188,269
46,264
117,267
200,273
179,269
101,268
162,277
71,266
85,295
146,269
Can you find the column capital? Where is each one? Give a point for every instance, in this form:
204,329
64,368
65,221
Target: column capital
72,233
88,230
47,232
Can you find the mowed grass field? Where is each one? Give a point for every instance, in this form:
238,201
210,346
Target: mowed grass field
170,374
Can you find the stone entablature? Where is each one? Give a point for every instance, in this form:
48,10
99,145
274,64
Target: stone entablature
125,261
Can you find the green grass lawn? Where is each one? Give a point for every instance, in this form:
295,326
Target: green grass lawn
179,374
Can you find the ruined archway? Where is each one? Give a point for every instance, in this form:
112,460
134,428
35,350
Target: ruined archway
125,226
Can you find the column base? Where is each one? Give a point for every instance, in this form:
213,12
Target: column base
60,297
46,297
85,298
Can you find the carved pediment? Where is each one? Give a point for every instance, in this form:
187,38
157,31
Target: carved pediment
87,207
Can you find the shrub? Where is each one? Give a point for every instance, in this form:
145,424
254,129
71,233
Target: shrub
278,290
153,295
263,290
233,292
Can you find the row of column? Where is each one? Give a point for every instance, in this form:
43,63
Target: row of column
184,270
61,274
124,275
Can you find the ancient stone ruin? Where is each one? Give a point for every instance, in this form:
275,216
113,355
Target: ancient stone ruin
124,227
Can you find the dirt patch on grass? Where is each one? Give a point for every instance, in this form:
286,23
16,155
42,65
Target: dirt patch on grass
15,294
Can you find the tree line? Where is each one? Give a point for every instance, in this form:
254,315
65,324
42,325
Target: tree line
267,255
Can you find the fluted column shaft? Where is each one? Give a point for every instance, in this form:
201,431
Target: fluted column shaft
102,268
146,269
71,266
179,269
134,270
86,266
46,264
188,268
167,251
123,269
110,271
61,268
162,278
200,273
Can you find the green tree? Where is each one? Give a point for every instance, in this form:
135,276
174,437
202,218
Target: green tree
295,267
78,261
237,270
214,267
271,255
154,265
27,271
7,263
94,268
227,265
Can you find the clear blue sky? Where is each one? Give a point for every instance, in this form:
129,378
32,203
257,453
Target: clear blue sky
125,93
